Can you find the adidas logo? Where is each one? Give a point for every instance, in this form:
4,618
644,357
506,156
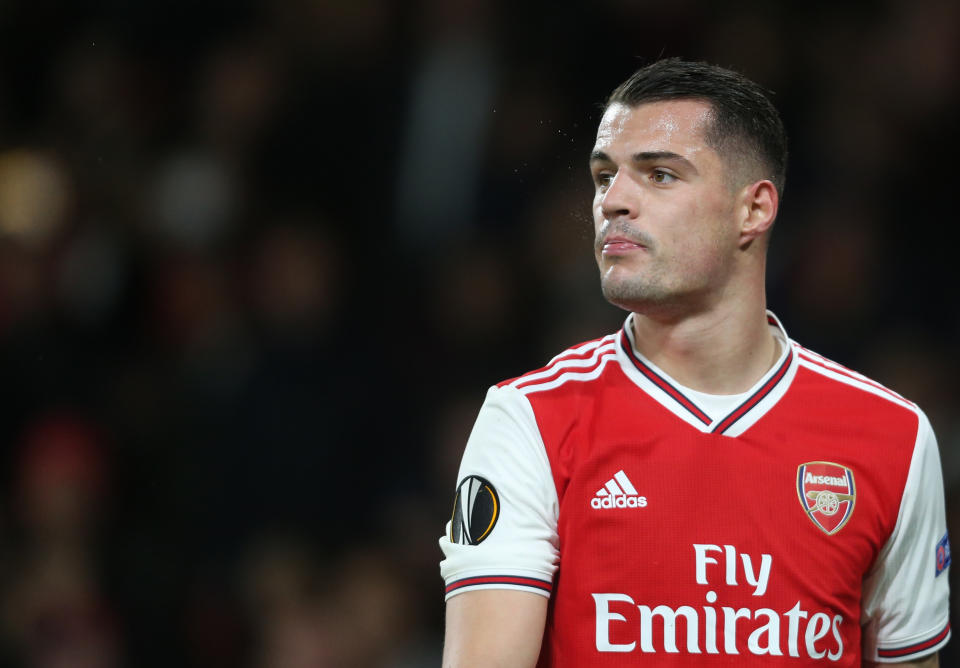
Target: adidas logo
619,492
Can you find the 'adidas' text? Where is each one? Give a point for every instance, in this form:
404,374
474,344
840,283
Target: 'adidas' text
618,492
619,502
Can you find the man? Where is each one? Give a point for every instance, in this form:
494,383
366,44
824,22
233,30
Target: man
695,489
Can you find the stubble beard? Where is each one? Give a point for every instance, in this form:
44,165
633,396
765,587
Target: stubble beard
634,293
658,288
631,291
661,291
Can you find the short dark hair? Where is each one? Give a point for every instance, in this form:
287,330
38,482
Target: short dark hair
746,125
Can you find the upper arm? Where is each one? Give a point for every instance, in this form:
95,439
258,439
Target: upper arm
494,627
905,595
501,546
504,531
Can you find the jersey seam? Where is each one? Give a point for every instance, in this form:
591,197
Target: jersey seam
903,495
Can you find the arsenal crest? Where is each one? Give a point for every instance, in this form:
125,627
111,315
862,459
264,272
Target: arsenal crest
827,494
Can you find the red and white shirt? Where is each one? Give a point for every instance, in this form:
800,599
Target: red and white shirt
801,521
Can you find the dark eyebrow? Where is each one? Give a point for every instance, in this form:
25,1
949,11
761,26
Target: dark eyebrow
646,156
652,156
599,156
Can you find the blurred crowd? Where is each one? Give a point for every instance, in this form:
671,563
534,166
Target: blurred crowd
259,262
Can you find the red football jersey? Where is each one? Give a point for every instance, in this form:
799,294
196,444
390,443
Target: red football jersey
800,521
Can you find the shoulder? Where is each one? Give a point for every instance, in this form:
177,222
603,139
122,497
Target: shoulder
835,378
579,363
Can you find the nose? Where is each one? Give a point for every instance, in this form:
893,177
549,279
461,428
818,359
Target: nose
621,198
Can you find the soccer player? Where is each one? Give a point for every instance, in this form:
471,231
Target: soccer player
695,489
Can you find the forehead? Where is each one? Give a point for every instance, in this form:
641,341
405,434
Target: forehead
670,125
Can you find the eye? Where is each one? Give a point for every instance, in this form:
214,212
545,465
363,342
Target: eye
603,180
662,177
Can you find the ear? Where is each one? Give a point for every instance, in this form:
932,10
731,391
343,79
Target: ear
759,202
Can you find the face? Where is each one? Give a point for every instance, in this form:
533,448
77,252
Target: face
663,213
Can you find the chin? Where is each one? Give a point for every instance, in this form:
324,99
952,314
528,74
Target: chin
633,294
625,294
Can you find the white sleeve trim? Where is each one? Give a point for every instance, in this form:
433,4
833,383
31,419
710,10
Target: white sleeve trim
521,550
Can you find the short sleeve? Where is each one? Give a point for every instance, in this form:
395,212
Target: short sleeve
503,533
906,594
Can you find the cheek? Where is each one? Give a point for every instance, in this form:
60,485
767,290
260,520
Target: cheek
713,222
697,236
597,205
597,214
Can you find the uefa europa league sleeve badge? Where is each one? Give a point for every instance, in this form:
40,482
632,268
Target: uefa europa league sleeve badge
475,511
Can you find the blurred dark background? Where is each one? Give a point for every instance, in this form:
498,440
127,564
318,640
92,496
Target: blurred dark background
259,262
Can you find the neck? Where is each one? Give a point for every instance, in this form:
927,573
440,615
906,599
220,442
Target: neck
725,350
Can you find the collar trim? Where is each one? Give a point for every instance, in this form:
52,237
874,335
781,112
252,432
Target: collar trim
733,423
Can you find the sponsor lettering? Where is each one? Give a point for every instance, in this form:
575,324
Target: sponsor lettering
711,629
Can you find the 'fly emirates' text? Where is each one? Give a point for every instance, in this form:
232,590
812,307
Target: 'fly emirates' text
796,632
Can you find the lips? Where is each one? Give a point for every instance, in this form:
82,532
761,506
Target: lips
620,245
